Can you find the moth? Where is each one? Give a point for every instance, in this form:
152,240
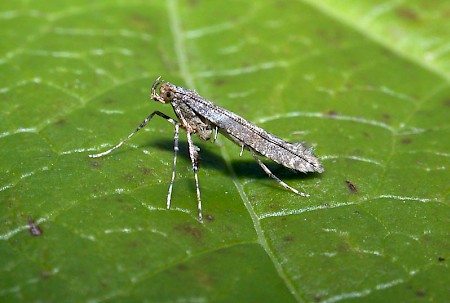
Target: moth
199,116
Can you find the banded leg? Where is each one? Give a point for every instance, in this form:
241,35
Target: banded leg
267,170
175,152
193,154
144,123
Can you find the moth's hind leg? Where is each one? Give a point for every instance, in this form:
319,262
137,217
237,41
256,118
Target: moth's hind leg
193,154
268,172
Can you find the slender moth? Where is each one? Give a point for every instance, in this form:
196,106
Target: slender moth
197,115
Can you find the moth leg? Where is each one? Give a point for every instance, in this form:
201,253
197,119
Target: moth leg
143,123
267,170
175,152
216,131
242,150
193,154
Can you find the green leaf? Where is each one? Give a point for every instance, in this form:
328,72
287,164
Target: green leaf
366,84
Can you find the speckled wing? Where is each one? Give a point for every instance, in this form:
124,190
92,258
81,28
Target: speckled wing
292,155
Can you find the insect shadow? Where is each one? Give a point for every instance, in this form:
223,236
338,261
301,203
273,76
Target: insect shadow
247,168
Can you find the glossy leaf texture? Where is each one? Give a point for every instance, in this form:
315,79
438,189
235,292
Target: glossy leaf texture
366,85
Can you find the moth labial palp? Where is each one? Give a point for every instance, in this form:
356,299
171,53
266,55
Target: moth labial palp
197,115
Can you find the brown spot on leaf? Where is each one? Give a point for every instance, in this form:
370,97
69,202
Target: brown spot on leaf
140,21
332,113
288,238
129,177
45,274
190,230
367,135
147,171
344,247
441,259
219,81
407,13
134,244
61,122
182,267
420,293
193,3
95,164
204,278
274,206
406,140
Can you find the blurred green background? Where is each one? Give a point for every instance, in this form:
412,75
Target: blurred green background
365,83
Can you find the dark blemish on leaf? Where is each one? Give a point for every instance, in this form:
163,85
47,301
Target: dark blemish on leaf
441,259
406,140
210,218
426,238
317,298
129,177
140,21
33,228
45,274
420,293
407,13
190,230
193,3
108,101
95,164
367,135
147,171
351,186
386,116
273,206
332,114
205,279
134,244
344,247
447,102
357,151
332,37
61,122
219,81
182,267
288,238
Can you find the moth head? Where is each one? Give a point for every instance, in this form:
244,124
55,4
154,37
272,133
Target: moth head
166,91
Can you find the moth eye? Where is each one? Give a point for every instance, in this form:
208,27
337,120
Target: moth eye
168,95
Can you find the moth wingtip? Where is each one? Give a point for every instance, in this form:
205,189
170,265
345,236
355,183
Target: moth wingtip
320,169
